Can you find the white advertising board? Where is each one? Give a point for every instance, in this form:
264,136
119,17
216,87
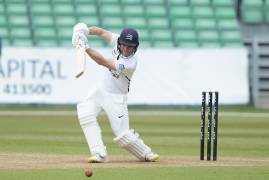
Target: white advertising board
163,76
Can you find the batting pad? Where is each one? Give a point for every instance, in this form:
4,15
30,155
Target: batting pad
130,141
91,129
93,135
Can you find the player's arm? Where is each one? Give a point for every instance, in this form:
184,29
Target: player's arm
101,60
102,33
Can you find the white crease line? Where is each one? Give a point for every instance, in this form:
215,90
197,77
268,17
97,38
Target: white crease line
135,113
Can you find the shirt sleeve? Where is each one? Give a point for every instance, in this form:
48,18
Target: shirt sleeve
114,39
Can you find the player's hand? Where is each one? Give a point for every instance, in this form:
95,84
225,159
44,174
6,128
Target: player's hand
79,40
81,28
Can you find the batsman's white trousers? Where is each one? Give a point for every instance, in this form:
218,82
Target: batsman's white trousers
115,106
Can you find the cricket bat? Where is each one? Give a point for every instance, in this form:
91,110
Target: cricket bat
80,61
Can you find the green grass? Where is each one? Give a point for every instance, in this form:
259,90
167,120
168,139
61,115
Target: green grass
201,173
27,107
168,135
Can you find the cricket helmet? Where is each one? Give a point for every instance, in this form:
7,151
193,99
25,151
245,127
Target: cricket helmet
129,37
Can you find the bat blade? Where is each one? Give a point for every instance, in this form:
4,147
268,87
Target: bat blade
80,62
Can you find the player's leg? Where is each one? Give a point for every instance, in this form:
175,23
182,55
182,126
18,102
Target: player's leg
131,141
117,111
87,113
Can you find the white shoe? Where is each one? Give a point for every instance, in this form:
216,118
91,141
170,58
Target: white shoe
97,159
151,157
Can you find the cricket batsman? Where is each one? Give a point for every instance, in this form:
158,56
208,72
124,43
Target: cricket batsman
111,93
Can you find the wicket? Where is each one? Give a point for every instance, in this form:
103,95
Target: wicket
211,107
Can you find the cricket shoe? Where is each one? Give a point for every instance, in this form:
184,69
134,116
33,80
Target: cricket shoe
151,157
97,159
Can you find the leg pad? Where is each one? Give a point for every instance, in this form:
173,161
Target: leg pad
130,141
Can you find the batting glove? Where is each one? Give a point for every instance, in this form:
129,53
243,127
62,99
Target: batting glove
79,40
81,28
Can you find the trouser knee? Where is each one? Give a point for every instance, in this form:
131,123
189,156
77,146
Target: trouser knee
85,115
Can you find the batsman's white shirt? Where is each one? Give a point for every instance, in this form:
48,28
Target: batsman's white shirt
118,81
